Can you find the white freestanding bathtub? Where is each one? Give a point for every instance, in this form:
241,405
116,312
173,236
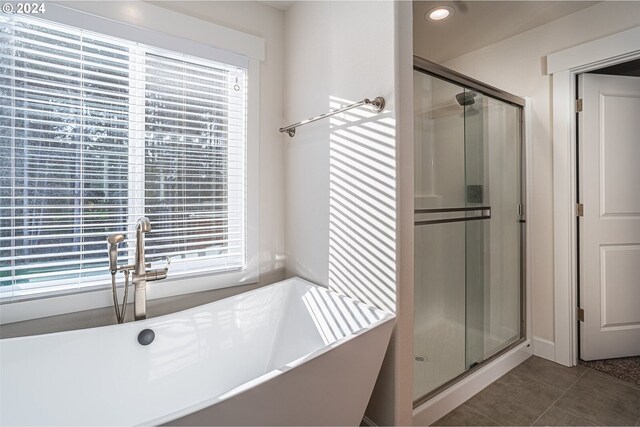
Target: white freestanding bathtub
291,353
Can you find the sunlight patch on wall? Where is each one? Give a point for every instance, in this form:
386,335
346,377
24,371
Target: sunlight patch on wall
362,205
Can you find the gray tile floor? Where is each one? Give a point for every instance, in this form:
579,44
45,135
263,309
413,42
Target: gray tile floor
543,393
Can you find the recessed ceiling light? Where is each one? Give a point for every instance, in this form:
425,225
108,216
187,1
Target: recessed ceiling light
439,13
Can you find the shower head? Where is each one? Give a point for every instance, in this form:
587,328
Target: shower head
466,98
114,240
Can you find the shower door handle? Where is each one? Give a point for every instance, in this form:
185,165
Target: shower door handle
482,212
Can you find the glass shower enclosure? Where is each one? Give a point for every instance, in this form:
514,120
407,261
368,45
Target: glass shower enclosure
468,226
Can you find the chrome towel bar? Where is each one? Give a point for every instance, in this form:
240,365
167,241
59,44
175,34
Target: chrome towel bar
377,104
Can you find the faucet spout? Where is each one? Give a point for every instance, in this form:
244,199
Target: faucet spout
142,226
141,275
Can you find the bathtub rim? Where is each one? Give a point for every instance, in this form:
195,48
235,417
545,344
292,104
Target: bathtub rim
130,323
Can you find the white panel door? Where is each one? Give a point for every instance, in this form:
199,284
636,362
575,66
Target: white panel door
609,188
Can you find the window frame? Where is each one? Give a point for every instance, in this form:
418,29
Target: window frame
232,47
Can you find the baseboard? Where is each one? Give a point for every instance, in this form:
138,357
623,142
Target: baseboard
367,421
544,348
440,405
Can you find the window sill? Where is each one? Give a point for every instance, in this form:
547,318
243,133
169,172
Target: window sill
105,316
18,311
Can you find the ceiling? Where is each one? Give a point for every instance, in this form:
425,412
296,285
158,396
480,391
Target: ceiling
476,24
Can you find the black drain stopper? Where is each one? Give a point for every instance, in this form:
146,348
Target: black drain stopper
146,336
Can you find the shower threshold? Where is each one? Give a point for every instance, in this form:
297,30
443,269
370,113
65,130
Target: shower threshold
436,391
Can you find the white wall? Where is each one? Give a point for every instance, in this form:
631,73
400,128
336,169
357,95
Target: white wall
341,173
517,65
334,166
307,154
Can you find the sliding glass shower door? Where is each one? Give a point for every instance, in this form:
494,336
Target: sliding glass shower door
468,283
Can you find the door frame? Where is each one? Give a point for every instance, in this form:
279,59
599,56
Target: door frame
563,67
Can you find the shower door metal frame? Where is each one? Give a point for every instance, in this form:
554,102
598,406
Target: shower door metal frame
436,70
444,73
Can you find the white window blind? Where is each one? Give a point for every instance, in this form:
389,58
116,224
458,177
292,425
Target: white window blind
96,132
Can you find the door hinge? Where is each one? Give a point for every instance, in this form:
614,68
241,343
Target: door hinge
578,105
579,209
581,314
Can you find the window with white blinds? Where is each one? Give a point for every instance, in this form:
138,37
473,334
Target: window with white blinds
96,132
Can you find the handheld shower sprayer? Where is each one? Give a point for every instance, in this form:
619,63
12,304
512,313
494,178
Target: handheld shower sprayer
114,240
